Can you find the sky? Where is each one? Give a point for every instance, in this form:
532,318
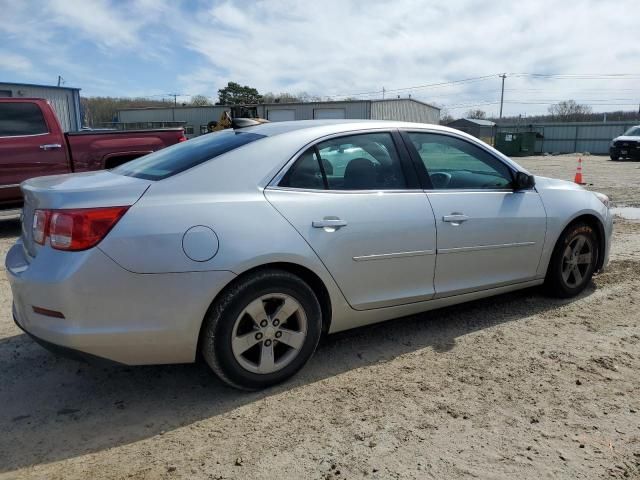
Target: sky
586,50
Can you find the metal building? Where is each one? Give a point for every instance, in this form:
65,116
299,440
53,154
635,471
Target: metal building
570,137
196,118
482,129
64,100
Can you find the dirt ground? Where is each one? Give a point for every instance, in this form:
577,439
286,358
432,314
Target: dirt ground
516,386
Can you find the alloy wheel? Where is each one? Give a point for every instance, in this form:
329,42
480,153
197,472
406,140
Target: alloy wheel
269,333
576,260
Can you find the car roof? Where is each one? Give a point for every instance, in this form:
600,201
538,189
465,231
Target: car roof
277,128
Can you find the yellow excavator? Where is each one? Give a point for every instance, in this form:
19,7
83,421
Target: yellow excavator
240,116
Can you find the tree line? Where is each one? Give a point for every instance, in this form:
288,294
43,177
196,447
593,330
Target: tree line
565,111
100,111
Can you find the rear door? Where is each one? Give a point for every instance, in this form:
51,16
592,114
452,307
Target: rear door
488,234
357,203
29,147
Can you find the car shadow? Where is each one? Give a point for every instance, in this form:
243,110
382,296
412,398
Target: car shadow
10,227
87,408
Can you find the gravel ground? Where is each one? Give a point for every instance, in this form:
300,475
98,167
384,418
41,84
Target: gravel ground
518,385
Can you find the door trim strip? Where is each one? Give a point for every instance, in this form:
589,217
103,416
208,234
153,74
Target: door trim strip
483,247
384,256
13,185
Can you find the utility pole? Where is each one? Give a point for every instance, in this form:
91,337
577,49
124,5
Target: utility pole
175,104
60,80
383,93
503,76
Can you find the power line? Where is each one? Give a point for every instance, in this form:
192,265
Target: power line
418,87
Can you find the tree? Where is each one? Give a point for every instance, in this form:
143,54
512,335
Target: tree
235,94
101,111
200,101
285,97
569,111
445,115
477,114
445,118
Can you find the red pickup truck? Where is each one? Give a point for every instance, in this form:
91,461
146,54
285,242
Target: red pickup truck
32,144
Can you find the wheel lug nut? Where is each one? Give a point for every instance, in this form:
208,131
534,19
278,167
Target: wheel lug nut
258,336
267,343
264,323
278,334
276,322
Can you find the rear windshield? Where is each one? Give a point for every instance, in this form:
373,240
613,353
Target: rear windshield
182,156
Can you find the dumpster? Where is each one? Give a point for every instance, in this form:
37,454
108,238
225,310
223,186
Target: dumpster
520,144
509,143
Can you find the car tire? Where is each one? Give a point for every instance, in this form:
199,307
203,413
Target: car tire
573,261
613,157
230,327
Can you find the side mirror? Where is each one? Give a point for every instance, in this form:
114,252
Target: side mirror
524,181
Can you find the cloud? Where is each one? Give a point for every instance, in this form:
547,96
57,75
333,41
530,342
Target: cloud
18,63
336,47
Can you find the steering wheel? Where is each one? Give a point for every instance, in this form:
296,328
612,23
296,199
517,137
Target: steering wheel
440,179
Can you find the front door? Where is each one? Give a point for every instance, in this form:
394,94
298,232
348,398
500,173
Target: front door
488,234
350,199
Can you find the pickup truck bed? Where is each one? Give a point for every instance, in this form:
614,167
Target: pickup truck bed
32,144
108,149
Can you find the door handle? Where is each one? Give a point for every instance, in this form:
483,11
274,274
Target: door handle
334,223
455,218
50,146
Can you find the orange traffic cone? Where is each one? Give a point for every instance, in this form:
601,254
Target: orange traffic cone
578,178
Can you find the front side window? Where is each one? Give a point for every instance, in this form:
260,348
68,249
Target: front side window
182,156
367,161
17,119
453,163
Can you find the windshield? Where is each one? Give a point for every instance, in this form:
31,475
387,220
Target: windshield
633,132
183,156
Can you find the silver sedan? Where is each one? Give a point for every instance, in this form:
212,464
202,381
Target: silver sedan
247,245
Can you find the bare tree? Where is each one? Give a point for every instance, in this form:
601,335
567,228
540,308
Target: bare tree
99,110
569,111
445,115
200,101
286,97
477,114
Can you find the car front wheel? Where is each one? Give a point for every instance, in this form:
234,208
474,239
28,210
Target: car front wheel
262,330
573,261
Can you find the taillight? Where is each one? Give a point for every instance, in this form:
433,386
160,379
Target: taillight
40,225
75,229
182,138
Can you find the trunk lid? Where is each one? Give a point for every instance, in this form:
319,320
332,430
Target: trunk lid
77,190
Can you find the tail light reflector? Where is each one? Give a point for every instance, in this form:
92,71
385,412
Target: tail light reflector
75,229
40,225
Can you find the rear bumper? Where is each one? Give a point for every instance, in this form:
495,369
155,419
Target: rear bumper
109,312
64,351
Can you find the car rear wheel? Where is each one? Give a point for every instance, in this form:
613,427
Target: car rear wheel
573,261
262,330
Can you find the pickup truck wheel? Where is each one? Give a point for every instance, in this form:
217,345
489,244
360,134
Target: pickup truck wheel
573,261
262,330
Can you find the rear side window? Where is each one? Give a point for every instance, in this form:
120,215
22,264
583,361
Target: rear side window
17,119
367,161
183,156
